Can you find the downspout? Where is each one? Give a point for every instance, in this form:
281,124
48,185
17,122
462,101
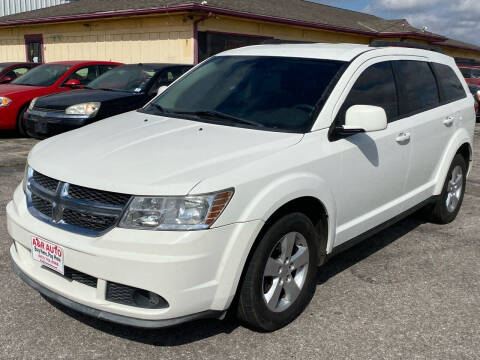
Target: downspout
195,35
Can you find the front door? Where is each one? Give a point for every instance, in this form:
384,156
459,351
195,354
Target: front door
374,165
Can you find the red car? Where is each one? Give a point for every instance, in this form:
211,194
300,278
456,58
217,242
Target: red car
43,80
9,71
471,73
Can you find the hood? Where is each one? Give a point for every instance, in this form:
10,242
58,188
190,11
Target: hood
63,100
10,89
141,154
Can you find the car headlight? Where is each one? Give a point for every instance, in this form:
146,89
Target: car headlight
89,109
175,213
478,95
4,101
32,103
26,176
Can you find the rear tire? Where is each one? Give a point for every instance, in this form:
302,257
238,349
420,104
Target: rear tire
448,204
21,126
280,278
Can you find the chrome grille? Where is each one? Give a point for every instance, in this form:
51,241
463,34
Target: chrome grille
48,110
44,206
97,196
71,207
45,181
85,220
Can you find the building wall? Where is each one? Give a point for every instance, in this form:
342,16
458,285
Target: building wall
147,39
241,26
160,38
278,31
460,53
9,7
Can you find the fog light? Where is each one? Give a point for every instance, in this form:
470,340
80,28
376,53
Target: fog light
148,300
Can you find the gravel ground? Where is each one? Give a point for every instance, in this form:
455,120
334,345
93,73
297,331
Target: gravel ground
410,292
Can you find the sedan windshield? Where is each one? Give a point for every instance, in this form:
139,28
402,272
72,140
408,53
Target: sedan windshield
128,78
272,93
43,75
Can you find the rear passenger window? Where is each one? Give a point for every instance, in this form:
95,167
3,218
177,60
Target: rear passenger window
417,86
451,89
376,87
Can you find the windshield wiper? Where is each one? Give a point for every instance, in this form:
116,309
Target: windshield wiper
158,107
218,114
107,89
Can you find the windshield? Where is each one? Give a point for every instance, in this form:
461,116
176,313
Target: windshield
43,75
128,78
277,93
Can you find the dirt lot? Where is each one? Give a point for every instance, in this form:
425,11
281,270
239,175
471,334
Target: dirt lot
411,292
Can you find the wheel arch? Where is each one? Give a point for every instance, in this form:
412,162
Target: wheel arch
304,193
311,207
461,143
23,108
466,151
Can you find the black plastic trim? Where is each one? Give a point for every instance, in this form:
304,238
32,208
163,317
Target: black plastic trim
115,318
358,239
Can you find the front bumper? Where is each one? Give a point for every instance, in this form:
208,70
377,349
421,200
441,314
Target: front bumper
103,315
43,124
196,272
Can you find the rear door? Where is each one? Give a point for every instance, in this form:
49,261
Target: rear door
373,166
431,118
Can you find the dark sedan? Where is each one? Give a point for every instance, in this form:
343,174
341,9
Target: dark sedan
9,71
122,89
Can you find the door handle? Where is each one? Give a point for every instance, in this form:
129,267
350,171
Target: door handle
449,121
403,137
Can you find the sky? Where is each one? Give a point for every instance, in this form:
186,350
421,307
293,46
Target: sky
457,19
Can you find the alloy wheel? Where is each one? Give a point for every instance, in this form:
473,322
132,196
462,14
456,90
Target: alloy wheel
454,189
285,272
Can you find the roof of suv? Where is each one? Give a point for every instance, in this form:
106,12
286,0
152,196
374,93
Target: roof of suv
341,52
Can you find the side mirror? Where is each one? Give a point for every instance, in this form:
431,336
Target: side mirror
365,118
161,89
6,80
359,119
73,83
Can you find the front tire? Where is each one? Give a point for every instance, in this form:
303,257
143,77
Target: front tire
280,278
21,126
448,204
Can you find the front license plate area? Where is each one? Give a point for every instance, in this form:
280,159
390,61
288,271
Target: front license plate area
47,253
41,126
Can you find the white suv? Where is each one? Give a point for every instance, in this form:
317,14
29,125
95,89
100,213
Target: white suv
231,187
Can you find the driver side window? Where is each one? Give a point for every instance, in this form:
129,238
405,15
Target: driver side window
85,74
376,87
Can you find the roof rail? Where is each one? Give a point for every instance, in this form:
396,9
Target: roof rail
279,42
406,44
